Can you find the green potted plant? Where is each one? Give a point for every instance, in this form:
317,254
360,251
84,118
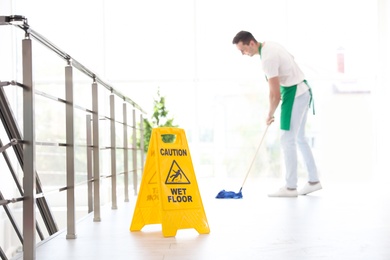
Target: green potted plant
159,118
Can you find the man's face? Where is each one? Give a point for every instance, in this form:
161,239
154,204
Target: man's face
247,49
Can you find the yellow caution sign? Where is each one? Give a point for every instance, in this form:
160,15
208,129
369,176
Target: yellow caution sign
169,192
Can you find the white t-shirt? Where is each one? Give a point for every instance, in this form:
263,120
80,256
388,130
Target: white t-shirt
277,61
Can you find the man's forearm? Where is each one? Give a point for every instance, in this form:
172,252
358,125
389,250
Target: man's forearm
274,95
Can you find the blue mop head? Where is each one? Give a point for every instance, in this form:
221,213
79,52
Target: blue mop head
229,195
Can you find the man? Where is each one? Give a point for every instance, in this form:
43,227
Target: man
286,84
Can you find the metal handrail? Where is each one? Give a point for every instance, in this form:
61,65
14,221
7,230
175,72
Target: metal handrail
21,22
8,201
11,143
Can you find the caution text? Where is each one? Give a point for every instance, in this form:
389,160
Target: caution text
173,152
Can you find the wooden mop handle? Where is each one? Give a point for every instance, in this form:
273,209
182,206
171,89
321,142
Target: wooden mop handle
254,158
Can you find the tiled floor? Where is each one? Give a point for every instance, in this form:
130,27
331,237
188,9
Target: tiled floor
339,222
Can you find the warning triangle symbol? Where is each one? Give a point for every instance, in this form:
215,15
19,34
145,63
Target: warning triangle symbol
176,175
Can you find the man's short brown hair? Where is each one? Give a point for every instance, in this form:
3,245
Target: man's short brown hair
244,37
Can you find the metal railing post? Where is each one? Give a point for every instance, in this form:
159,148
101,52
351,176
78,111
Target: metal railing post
125,153
142,152
89,163
113,153
135,177
70,153
29,184
96,153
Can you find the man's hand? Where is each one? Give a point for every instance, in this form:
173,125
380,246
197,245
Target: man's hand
270,120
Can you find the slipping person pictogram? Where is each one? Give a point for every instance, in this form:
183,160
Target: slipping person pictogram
176,175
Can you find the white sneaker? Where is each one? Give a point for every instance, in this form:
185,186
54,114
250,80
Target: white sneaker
284,192
309,188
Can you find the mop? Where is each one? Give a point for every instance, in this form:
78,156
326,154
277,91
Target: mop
223,194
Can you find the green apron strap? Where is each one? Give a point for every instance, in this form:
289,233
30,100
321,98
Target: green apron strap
261,46
311,96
